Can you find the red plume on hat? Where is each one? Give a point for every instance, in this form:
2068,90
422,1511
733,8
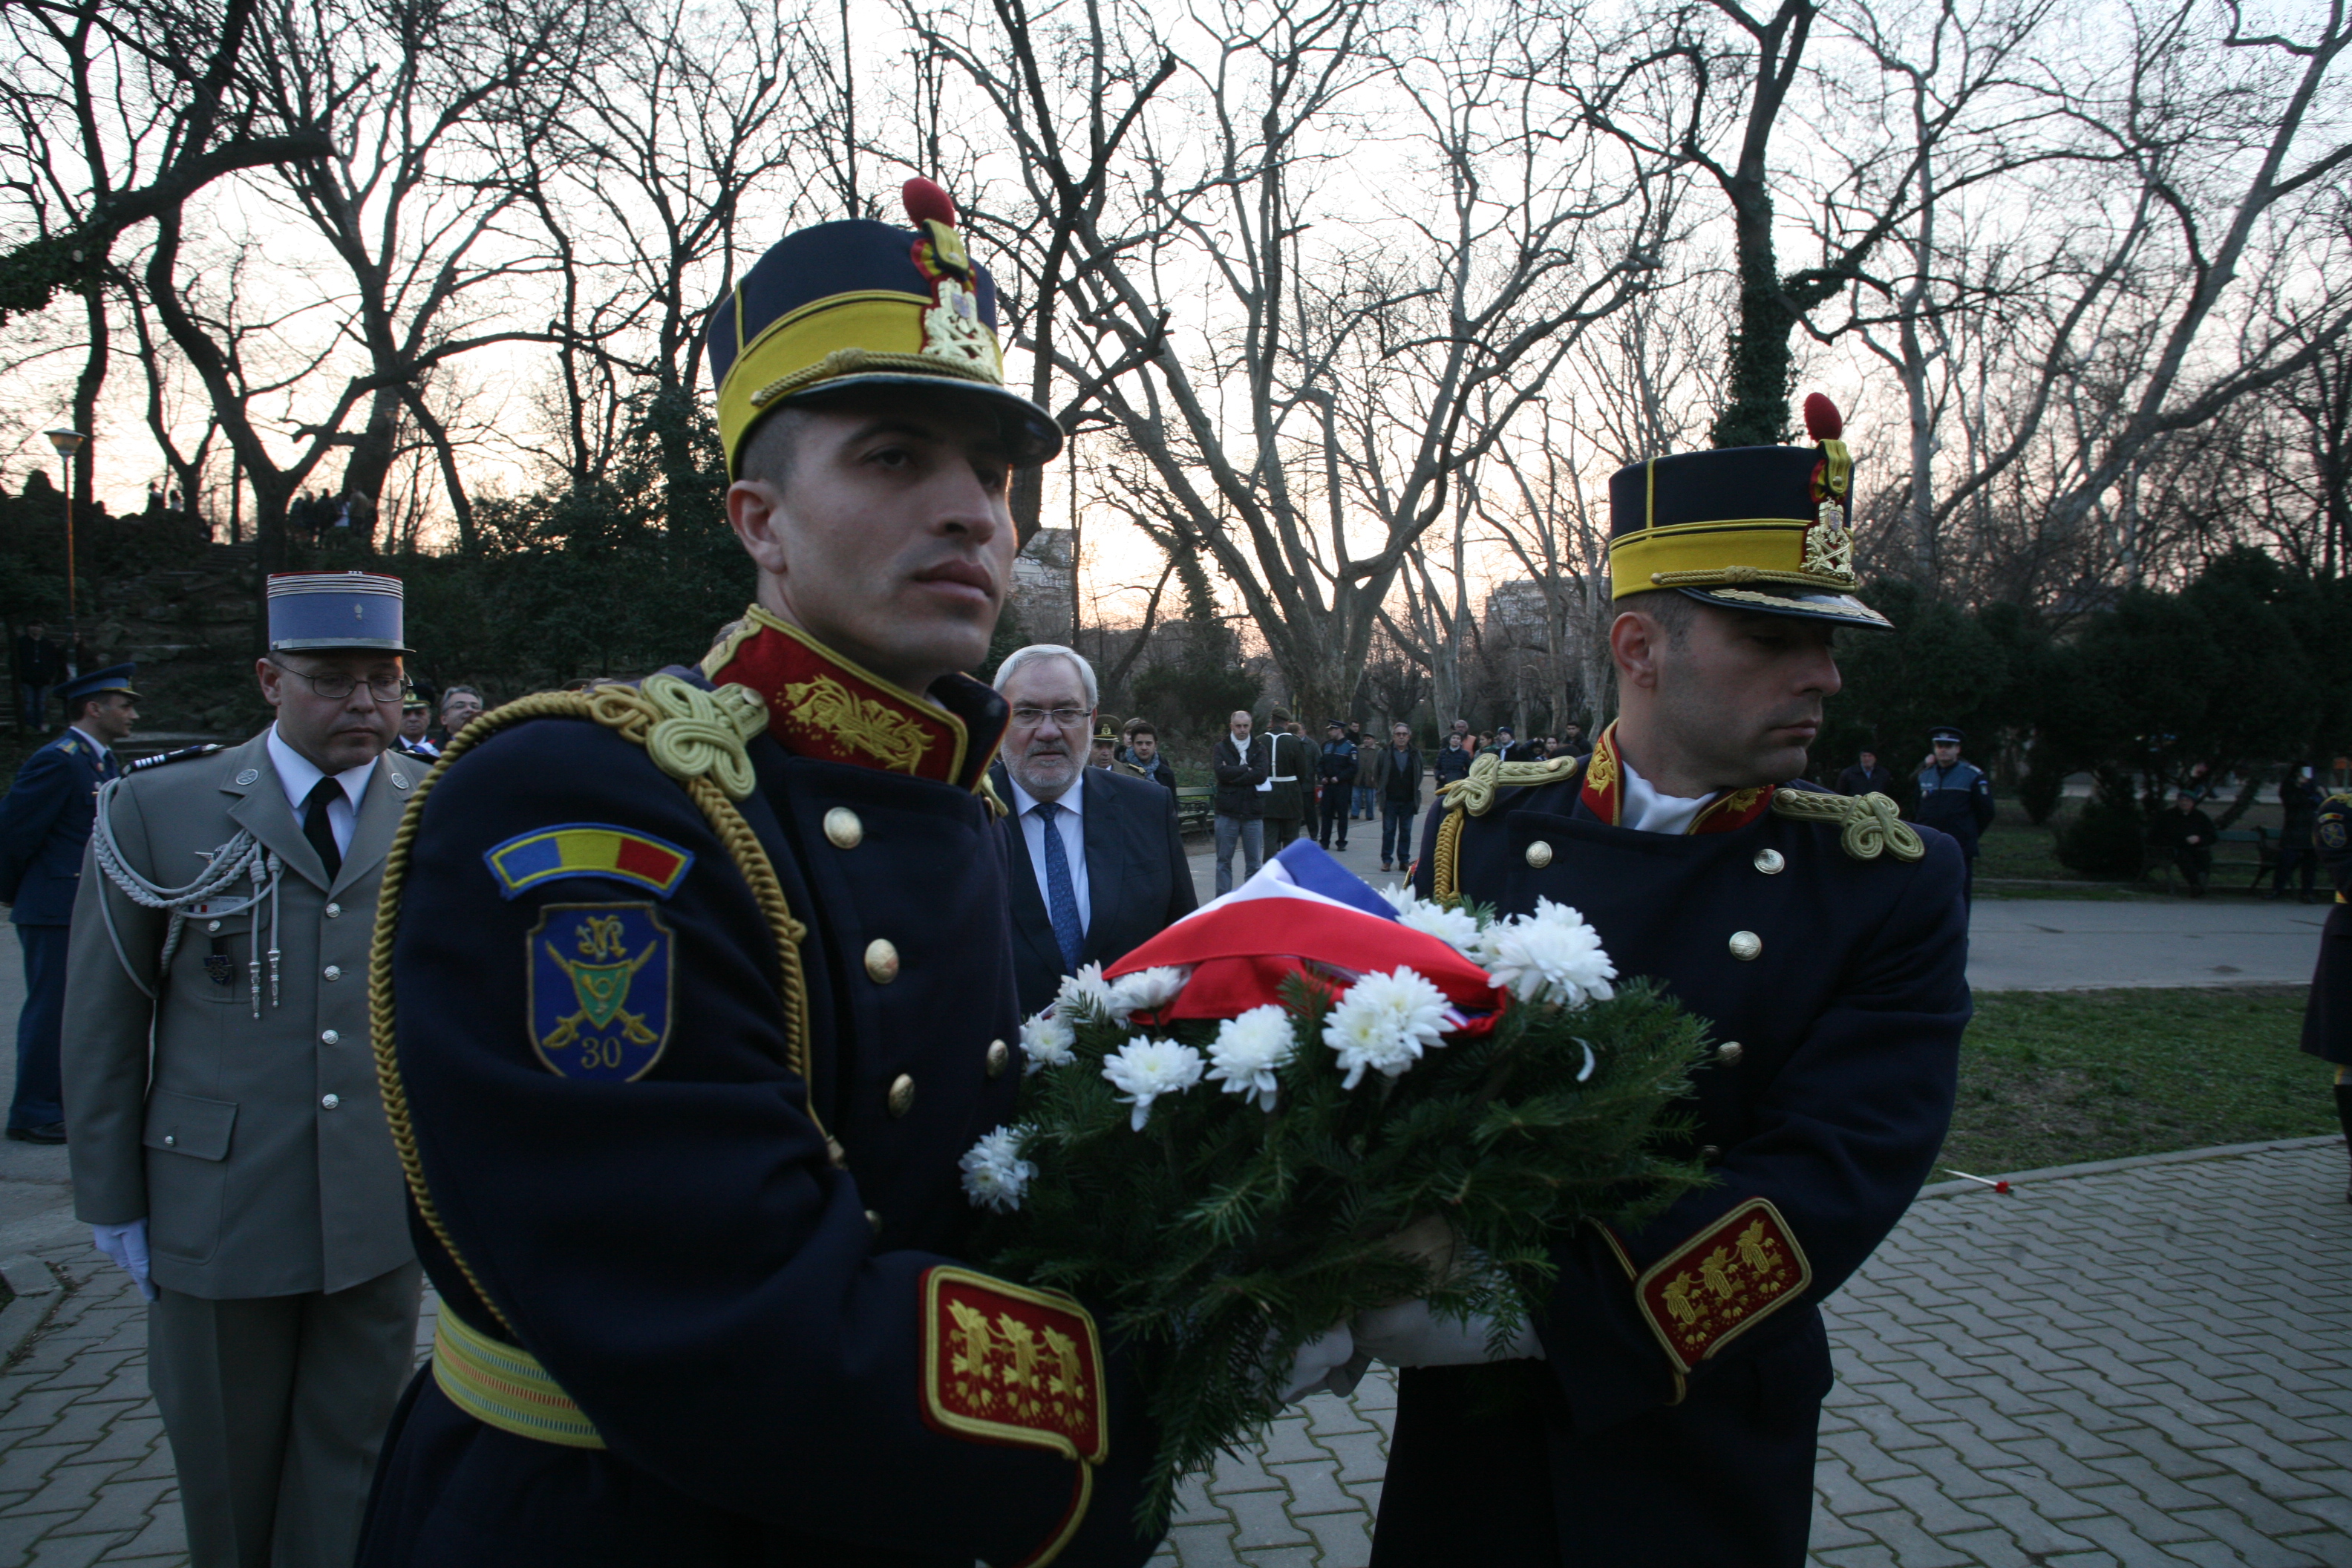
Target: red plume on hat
1825,424
926,203
1823,420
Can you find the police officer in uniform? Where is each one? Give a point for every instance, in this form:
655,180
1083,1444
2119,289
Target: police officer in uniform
230,1149
1955,797
1667,1412
2327,1013
702,988
43,822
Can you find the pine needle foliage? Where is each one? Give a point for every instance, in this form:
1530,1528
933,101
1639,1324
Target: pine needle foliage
1221,1237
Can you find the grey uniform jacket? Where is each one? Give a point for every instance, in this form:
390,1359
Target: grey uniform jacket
255,1148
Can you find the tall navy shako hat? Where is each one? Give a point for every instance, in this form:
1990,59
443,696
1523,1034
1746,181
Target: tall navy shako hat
318,611
98,683
859,303
1749,528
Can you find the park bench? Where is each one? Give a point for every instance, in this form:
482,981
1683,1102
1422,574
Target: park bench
1195,808
2234,848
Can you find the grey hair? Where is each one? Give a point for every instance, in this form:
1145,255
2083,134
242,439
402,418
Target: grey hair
1037,650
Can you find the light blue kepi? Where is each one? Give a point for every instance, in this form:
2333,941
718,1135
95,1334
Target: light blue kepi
319,612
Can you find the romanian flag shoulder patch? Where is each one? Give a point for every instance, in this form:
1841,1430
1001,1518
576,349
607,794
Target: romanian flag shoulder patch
1002,1363
587,849
1722,1282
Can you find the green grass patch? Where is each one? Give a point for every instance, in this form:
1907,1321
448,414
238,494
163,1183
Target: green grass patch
2057,1078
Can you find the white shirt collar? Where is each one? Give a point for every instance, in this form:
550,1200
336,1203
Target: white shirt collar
1074,799
1641,806
96,744
299,775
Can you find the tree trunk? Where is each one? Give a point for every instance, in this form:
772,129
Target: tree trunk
1755,401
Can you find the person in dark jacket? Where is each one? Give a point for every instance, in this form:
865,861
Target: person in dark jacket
44,823
1291,764
2299,805
1452,761
2327,1012
40,664
1865,776
1336,769
1242,764
1393,775
1143,751
1668,1411
2185,836
1954,797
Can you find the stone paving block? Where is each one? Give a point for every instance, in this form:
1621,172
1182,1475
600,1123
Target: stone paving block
1831,1534
68,1551
1362,1456
1314,1487
1194,1506
122,1508
2150,1485
1870,1556
1327,1415
1863,1456
67,1488
1990,1549
2268,1515
1239,1472
2254,1549
1838,1492
1281,1557
1261,1519
2268,1478
24,1470
1199,1545
129,1437
1341,1539
1287,1440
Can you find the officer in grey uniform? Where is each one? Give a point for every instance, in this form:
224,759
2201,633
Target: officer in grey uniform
242,1171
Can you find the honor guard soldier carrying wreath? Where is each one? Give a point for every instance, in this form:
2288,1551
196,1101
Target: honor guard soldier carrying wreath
692,995
1671,1415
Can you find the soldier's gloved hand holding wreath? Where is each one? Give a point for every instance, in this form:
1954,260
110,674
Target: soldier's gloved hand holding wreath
1310,1123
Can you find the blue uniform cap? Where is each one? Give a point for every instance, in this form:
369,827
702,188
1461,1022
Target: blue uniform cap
1945,733
324,611
97,682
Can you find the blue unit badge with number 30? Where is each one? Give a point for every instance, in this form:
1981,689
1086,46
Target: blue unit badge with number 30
601,981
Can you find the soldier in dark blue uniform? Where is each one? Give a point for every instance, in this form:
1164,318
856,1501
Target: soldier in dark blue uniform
2328,1015
699,992
1671,1416
44,823
1955,797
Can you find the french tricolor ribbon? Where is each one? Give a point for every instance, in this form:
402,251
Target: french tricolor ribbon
1303,914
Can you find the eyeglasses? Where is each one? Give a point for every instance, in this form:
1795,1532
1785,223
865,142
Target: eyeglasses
335,688
1062,718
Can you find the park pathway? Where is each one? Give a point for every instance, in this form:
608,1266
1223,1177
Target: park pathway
2142,1363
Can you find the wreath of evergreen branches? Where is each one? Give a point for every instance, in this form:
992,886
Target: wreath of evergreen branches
1220,1237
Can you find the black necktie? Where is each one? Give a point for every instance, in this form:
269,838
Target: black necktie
318,829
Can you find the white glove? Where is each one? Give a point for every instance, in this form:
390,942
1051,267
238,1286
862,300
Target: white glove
1316,1360
127,1245
1410,1334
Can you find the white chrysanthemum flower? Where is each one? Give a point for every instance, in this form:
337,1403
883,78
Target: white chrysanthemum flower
1143,1070
1453,927
1551,955
1385,1021
1144,991
1086,991
994,1173
1048,1041
1249,1050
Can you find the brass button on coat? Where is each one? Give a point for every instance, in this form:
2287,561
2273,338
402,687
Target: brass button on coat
334,972
1770,861
881,960
212,925
841,828
1729,1052
902,1095
998,1054
334,912
1539,854
874,1219
331,1100
1746,944
329,1037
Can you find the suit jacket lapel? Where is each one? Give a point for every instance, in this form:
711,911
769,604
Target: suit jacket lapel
1101,831
1030,920
379,817
265,813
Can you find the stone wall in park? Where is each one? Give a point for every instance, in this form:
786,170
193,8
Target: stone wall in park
192,630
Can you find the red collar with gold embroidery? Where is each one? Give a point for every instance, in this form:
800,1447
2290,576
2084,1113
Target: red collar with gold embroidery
1604,793
821,705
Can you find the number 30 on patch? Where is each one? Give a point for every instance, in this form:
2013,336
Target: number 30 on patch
601,979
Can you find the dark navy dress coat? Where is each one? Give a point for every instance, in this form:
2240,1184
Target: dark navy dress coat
1835,990
45,823
736,1312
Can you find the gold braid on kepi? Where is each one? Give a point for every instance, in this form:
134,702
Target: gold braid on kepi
1868,823
1764,528
695,736
859,304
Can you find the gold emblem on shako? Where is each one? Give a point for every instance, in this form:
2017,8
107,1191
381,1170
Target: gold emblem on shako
601,985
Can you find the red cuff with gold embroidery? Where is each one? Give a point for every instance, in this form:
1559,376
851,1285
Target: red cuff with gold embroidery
1005,1364
1722,1282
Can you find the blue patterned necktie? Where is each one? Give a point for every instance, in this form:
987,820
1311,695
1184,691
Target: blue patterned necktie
1061,898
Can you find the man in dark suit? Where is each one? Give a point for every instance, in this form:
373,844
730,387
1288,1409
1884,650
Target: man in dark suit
44,823
1094,860
1866,776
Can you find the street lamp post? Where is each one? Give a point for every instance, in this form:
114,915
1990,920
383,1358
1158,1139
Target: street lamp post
68,442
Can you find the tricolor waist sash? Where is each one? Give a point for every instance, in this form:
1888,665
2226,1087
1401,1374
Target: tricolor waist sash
501,1386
